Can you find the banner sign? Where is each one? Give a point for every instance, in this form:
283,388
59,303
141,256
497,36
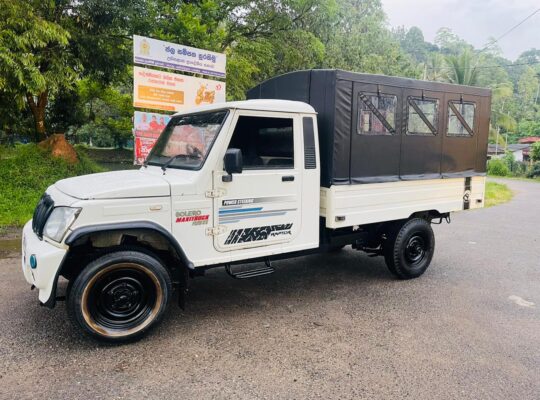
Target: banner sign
158,53
147,128
173,92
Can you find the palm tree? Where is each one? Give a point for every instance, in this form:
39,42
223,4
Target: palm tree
462,69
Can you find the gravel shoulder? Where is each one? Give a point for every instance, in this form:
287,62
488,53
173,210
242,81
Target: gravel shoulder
327,326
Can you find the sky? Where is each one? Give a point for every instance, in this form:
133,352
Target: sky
476,21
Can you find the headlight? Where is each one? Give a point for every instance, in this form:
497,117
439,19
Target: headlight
59,221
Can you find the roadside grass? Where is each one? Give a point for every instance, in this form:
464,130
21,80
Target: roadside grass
517,178
497,193
109,158
25,172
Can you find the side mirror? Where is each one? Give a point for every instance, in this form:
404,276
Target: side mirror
233,163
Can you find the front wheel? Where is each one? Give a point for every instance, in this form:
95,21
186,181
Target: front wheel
119,296
409,248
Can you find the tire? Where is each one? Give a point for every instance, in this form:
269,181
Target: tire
120,296
409,248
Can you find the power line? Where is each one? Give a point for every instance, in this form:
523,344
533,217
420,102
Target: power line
496,66
506,65
510,30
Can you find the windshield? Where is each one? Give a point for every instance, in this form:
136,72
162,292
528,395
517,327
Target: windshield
188,138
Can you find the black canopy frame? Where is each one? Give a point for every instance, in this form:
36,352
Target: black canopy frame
350,157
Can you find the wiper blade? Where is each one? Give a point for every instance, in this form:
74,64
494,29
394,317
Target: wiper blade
186,156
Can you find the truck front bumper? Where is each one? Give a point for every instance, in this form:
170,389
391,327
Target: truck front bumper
41,262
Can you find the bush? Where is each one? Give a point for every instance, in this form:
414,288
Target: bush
534,172
535,151
25,172
94,134
498,168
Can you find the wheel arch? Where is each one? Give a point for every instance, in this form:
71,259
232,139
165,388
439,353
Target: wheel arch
79,238
79,235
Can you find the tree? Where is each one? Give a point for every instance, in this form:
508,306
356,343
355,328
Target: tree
45,46
527,89
535,151
34,63
462,69
359,41
500,117
434,68
449,43
413,43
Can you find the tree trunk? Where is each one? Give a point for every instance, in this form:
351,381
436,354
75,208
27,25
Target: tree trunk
38,112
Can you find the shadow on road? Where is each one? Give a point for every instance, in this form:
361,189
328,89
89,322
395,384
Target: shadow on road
296,283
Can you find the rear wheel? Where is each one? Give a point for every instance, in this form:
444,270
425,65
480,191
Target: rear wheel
409,248
119,296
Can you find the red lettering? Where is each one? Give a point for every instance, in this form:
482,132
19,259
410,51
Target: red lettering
193,219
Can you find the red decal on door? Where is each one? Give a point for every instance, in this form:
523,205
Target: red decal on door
193,218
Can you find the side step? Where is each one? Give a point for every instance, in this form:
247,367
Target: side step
250,273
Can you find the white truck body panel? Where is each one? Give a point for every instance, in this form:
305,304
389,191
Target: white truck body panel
348,205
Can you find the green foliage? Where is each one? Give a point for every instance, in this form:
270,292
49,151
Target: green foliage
529,128
94,135
360,41
534,172
109,111
32,51
535,151
25,172
498,167
34,63
462,69
449,43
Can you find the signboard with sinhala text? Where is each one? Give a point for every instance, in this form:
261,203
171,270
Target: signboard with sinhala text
173,92
158,53
159,90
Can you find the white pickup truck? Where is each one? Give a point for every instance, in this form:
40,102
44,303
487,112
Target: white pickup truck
360,160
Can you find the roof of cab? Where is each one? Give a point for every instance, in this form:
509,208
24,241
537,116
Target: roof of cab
257,105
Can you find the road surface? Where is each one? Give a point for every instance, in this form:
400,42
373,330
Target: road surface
331,326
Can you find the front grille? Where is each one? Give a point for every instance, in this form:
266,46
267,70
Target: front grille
41,213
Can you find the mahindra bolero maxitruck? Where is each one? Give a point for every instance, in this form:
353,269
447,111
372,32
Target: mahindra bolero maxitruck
314,161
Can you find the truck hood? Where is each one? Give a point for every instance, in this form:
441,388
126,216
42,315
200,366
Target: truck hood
115,185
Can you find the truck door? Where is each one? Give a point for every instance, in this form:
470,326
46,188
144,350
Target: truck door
261,205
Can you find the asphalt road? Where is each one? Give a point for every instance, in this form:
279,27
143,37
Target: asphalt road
331,326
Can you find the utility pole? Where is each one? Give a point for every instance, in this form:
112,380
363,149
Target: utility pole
497,141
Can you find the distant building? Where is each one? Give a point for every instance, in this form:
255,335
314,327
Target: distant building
529,140
520,151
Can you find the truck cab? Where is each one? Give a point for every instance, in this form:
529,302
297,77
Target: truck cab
230,185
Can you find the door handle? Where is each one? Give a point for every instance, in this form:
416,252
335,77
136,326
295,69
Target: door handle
288,178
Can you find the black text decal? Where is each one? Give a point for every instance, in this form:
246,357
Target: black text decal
258,233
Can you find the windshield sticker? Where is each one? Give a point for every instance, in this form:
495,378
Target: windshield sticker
259,233
194,216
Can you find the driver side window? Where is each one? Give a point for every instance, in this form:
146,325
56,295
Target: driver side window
266,142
